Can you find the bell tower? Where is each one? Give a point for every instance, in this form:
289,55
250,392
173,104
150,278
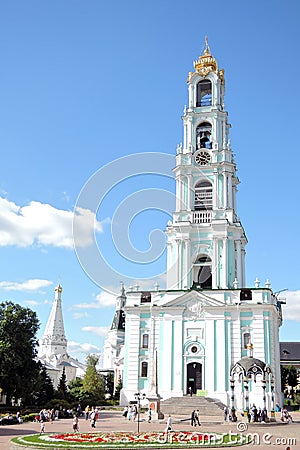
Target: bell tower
206,240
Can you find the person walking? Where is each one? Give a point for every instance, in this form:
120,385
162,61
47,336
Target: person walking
149,415
42,426
193,422
197,419
169,424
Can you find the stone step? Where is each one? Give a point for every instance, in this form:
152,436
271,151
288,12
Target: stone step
185,405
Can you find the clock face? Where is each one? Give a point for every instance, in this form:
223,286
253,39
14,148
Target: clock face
202,158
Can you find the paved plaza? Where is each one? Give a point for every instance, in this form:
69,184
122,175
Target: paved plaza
274,435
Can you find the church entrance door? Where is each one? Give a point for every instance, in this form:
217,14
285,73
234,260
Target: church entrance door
194,377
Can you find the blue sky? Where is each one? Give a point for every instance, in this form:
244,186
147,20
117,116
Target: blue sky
84,83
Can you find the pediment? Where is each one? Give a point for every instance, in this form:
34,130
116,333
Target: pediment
194,302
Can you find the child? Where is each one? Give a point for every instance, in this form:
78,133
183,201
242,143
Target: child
42,426
75,423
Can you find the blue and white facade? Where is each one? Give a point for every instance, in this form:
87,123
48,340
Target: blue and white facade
206,320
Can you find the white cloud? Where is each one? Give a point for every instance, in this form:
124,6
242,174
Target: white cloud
80,315
45,225
31,302
28,286
102,300
291,310
98,331
86,349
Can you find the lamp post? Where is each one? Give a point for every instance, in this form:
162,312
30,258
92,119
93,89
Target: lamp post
232,408
246,388
138,396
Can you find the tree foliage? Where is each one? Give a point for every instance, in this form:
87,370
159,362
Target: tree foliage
289,378
44,387
118,388
109,384
18,343
62,388
93,382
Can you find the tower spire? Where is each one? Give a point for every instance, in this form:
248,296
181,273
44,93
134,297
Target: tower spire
207,49
54,340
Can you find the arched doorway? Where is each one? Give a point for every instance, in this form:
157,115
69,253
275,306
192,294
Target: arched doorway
194,377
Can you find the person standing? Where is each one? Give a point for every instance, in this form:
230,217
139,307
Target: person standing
87,412
93,419
125,411
75,423
149,415
225,413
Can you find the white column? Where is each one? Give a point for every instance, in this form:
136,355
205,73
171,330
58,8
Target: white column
178,265
186,277
177,362
209,356
185,143
165,360
171,265
189,193
215,190
214,267
189,133
230,205
221,355
177,194
239,262
191,92
225,263
133,362
224,190
243,253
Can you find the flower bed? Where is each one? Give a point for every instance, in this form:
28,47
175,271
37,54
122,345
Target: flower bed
128,440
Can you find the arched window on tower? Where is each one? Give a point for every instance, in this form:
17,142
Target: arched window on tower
246,339
203,135
145,340
144,369
203,196
204,93
204,275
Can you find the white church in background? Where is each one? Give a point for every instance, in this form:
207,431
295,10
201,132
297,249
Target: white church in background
210,332
53,346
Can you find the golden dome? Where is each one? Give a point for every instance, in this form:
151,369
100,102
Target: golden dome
206,63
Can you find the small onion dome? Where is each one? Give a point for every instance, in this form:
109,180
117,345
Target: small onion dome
206,62
58,288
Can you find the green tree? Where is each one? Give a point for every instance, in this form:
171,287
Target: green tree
109,384
18,350
283,374
62,388
118,388
75,390
93,382
44,387
292,377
